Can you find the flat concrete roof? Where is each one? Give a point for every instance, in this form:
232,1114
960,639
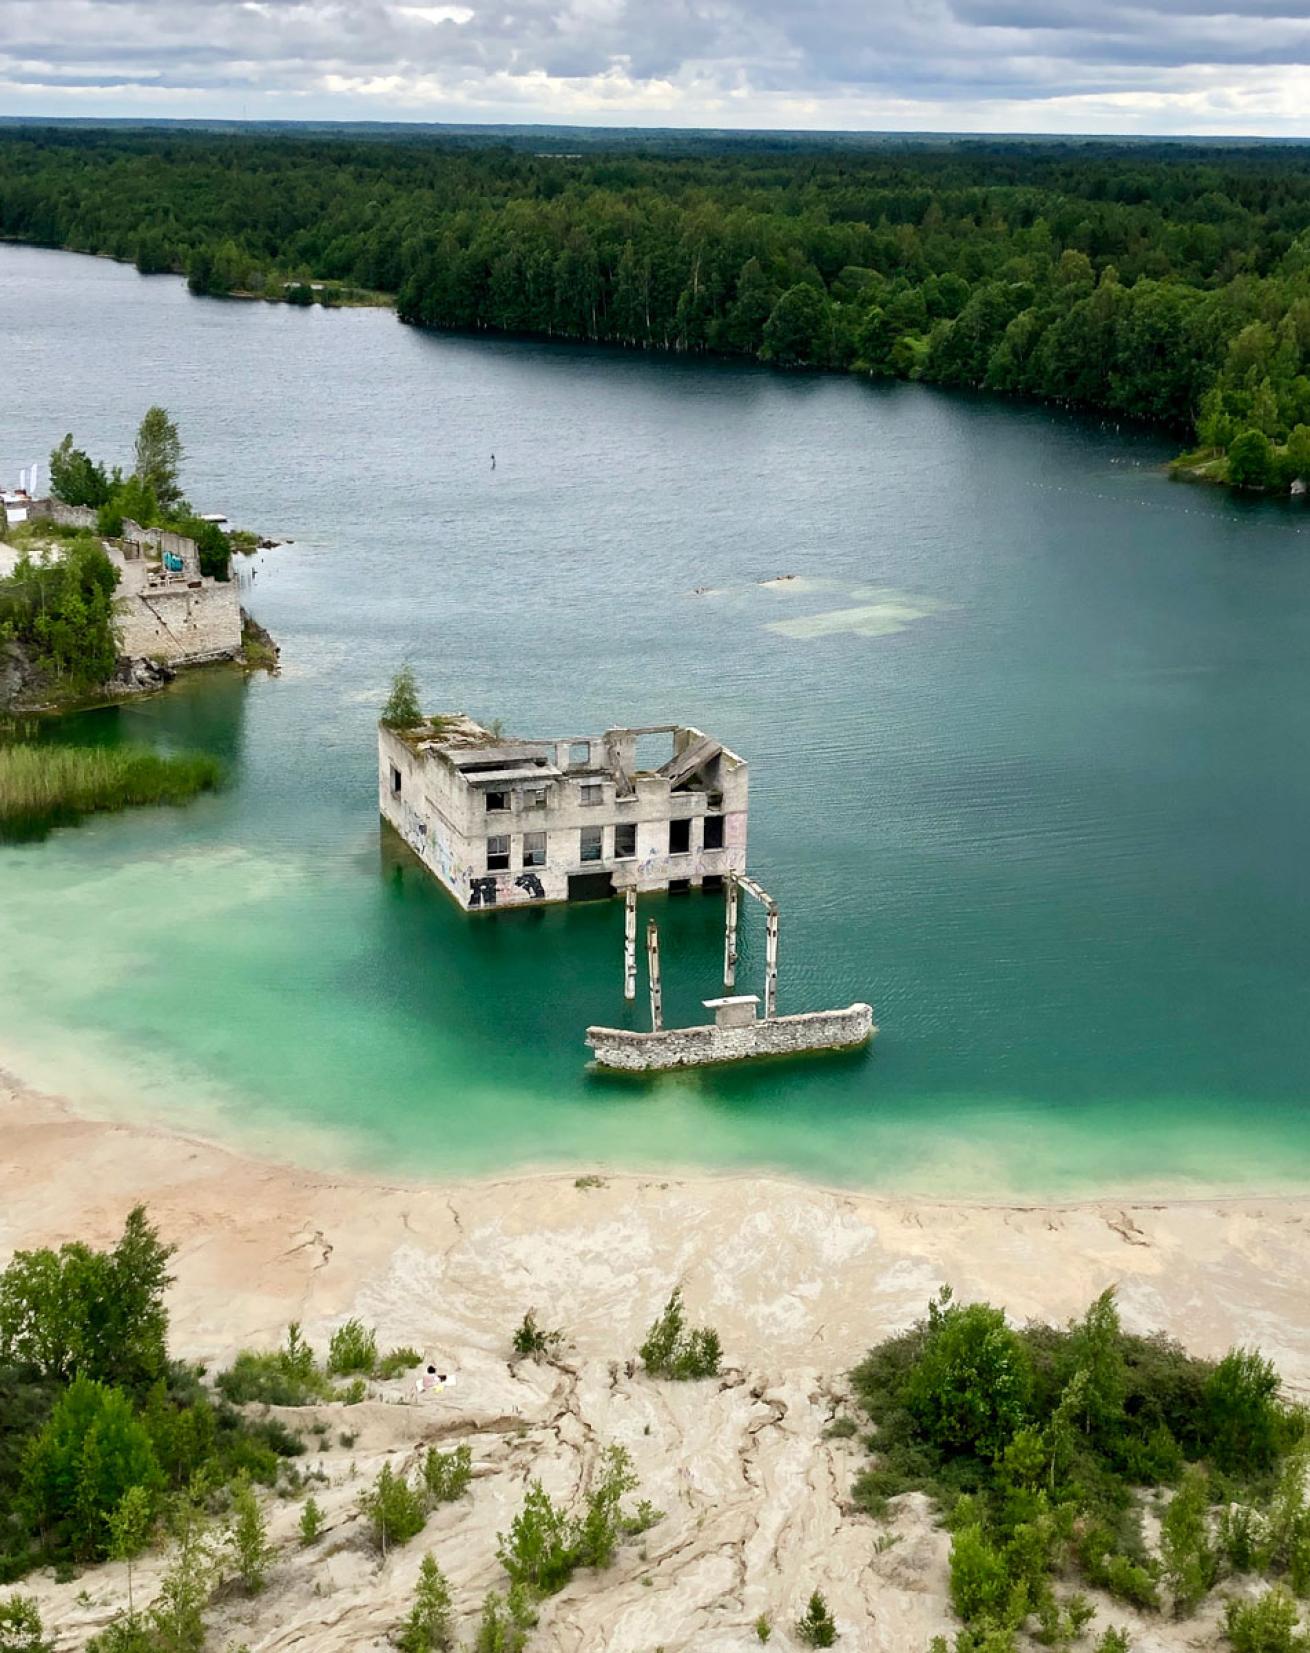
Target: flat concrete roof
497,777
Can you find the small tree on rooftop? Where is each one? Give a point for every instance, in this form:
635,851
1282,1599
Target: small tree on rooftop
402,709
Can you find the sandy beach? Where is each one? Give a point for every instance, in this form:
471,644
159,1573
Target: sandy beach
799,1281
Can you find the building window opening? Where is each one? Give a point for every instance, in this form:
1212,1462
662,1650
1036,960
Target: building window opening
591,846
625,841
395,781
592,793
534,797
679,886
534,849
498,853
679,837
497,801
579,754
714,832
714,801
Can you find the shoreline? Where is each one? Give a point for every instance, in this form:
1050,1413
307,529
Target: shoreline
799,1281
1188,1193
51,1149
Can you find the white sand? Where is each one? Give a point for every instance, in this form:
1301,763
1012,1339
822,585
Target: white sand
799,1281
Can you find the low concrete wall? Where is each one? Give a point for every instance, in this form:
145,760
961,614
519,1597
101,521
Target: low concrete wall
688,1047
183,625
68,516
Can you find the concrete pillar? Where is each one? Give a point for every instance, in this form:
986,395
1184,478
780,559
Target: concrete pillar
771,963
730,932
629,944
653,964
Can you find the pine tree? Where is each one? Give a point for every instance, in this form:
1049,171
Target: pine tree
428,1627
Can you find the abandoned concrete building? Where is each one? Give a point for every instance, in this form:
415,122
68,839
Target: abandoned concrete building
166,609
501,822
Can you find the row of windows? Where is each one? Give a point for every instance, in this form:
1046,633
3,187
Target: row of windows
591,843
535,797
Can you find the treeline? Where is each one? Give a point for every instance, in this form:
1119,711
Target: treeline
1167,283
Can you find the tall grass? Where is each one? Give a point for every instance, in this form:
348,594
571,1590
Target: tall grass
48,783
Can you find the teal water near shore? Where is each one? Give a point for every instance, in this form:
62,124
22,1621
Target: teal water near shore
1028,731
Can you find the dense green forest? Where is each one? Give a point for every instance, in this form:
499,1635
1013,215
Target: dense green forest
1168,283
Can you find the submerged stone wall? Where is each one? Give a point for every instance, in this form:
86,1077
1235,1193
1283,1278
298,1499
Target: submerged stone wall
686,1047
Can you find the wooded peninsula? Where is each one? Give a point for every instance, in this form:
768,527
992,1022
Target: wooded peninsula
1164,282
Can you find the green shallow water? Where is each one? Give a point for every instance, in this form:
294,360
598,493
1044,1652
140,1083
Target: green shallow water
1028,735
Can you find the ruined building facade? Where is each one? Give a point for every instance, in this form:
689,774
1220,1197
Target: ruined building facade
505,822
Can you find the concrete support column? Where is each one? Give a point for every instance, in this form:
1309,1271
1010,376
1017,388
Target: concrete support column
730,932
771,963
629,944
653,964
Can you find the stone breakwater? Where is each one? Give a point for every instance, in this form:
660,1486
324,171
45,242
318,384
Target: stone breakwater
686,1047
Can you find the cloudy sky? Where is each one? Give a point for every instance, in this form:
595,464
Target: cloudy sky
1185,66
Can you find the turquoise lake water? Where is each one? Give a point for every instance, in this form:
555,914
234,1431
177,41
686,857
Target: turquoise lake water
1028,731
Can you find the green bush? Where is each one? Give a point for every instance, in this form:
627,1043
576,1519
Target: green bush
1251,460
1267,1625
402,710
92,1450
980,1579
394,1510
395,1363
533,1341
62,611
21,1630
1185,1549
352,1348
816,1627
98,1314
672,1350
969,1389
247,1539
289,1376
447,1474
1036,1441
545,1546
505,1622
311,1521
1242,1413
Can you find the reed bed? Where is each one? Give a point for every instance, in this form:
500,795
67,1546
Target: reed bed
50,782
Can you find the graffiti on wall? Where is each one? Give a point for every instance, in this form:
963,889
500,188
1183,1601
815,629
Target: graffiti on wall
531,884
482,892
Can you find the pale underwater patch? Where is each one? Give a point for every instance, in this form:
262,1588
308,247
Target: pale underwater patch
48,946
869,610
895,612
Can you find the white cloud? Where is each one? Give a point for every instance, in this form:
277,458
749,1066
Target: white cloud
1201,66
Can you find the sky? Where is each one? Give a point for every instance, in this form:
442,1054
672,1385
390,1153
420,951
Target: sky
1105,66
